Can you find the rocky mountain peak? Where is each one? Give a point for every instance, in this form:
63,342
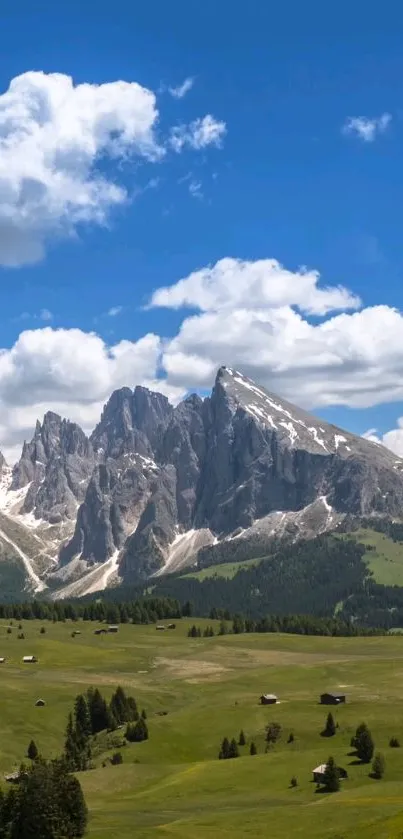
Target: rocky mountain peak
156,486
55,466
131,421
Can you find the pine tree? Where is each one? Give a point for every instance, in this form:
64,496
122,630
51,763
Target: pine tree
32,751
273,732
98,711
330,727
70,745
253,749
131,709
363,743
144,714
233,748
241,741
378,766
119,706
331,778
225,748
82,717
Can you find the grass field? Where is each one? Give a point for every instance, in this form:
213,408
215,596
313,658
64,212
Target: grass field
226,569
173,785
386,561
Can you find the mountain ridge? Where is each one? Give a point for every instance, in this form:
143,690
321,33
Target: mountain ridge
157,487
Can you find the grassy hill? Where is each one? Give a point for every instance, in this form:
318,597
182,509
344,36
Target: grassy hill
173,785
385,558
225,569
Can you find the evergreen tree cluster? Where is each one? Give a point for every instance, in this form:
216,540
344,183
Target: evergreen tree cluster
196,632
92,714
229,749
136,732
288,624
143,610
47,804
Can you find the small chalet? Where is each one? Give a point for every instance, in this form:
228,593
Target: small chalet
113,629
40,703
161,628
2,660
172,626
268,699
100,631
319,773
29,659
332,698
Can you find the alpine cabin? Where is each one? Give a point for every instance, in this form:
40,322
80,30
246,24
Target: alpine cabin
268,699
332,698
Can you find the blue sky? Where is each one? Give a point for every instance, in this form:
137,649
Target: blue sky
298,165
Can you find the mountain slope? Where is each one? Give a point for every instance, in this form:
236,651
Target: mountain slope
157,488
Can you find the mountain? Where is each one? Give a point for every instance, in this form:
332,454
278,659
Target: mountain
156,488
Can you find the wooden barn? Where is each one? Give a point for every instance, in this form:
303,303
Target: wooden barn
2,660
40,703
332,698
29,659
113,628
268,699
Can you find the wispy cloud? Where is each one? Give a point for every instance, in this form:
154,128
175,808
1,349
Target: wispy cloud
366,128
195,189
45,314
114,310
202,132
182,89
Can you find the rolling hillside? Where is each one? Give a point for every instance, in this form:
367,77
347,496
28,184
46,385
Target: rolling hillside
173,784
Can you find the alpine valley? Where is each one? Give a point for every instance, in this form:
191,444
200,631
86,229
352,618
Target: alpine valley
156,489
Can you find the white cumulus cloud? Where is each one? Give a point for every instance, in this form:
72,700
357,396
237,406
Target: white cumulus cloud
54,139
256,316
237,283
392,439
367,128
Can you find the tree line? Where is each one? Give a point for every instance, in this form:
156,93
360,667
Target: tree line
143,610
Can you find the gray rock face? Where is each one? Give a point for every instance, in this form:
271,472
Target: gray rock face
240,465
131,422
55,467
157,487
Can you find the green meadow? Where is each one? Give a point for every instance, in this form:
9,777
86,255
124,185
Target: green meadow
173,785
